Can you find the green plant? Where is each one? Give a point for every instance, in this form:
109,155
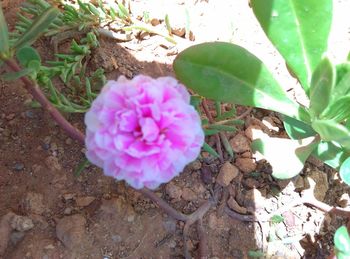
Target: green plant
229,73
342,243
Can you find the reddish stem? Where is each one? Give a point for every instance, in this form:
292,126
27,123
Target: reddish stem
38,95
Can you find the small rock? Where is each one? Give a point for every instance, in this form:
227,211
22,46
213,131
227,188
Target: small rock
69,141
247,165
18,166
195,165
344,200
173,191
188,194
29,114
52,163
34,203
116,238
227,173
206,175
240,143
70,231
84,201
232,203
21,223
253,132
68,196
16,237
67,211
321,181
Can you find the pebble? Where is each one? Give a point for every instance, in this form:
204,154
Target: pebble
344,200
70,230
240,143
84,201
18,166
206,175
321,181
195,165
67,211
232,203
227,173
16,237
247,165
68,196
11,116
52,163
173,191
33,203
188,194
21,223
29,114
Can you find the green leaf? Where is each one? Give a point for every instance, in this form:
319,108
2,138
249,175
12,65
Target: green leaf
226,144
27,54
123,12
276,219
345,171
342,86
82,165
227,115
229,73
4,35
210,150
299,30
329,130
297,129
322,84
222,127
15,75
40,24
339,110
209,132
286,156
342,242
331,154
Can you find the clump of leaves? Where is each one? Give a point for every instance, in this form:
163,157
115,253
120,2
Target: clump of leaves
229,73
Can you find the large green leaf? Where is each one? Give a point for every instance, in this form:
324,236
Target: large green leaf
342,243
4,35
298,29
344,171
27,54
339,110
330,153
297,129
286,156
329,130
39,25
229,73
322,84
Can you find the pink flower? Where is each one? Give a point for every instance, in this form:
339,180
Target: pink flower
143,131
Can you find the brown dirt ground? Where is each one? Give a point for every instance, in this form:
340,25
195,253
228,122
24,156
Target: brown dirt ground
92,216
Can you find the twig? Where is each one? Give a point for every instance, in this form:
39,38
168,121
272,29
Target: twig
38,95
164,205
203,240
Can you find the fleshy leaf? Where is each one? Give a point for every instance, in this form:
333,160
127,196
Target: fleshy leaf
329,130
322,84
339,110
344,171
286,156
39,25
342,86
299,30
27,54
331,154
342,242
4,35
229,73
297,129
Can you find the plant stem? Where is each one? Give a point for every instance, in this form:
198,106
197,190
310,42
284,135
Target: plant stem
38,95
164,205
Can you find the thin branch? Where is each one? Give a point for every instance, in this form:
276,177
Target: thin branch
38,95
164,205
